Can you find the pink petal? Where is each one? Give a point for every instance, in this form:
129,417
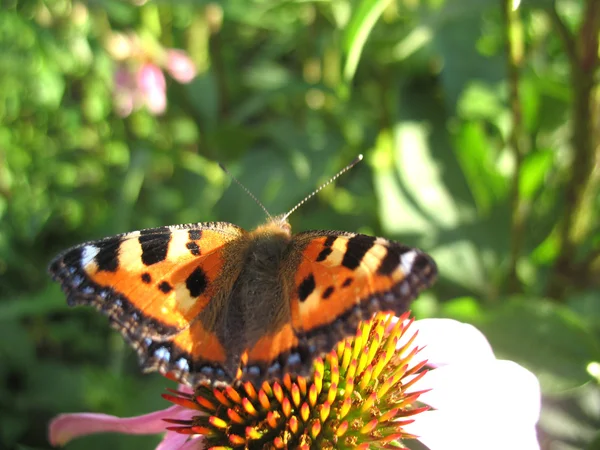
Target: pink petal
67,427
196,443
174,441
180,66
152,88
184,388
123,79
124,103
178,441
156,102
150,78
447,341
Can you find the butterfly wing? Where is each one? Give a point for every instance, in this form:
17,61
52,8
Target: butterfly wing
344,278
153,284
334,280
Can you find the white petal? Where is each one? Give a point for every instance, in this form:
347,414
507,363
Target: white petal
439,431
447,341
481,405
496,388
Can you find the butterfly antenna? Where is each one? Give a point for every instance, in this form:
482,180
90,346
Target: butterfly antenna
316,191
246,189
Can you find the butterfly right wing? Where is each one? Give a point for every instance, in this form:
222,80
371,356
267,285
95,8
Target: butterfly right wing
334,280
344,278
153,285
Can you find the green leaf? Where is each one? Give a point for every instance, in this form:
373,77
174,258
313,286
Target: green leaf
465,309
458,28
34,305
534,171
571,420
16,347
415,201
486,182
587,306
481,101
357,32
546,338
427,203
203,95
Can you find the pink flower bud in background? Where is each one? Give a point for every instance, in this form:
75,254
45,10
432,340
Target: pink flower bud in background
180,66
124,91
123,79
152,87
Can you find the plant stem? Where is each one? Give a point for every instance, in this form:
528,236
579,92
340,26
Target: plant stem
514,57
582,52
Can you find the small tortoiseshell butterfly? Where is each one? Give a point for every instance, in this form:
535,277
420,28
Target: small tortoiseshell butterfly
212,302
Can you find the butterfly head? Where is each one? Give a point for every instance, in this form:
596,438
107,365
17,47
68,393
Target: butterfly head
278,226
282,223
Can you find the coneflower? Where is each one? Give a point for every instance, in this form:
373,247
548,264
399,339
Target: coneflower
435,380
357,398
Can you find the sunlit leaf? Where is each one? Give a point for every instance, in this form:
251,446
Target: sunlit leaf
534,170
357,32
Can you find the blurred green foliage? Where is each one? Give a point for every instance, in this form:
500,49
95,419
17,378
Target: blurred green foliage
479,126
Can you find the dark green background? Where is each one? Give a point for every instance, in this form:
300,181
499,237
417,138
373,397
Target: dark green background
480,156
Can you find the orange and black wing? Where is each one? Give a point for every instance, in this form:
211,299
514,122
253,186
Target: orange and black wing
340,279
153,284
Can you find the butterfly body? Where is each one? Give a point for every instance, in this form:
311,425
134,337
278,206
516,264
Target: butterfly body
211,302
255,296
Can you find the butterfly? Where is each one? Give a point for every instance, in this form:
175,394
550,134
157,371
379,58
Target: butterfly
214,303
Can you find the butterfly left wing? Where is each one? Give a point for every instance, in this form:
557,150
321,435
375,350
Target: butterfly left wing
153,284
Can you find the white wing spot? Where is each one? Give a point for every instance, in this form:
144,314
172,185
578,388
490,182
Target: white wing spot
88,255
162,353
76,280
294,358
406,261
183,365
